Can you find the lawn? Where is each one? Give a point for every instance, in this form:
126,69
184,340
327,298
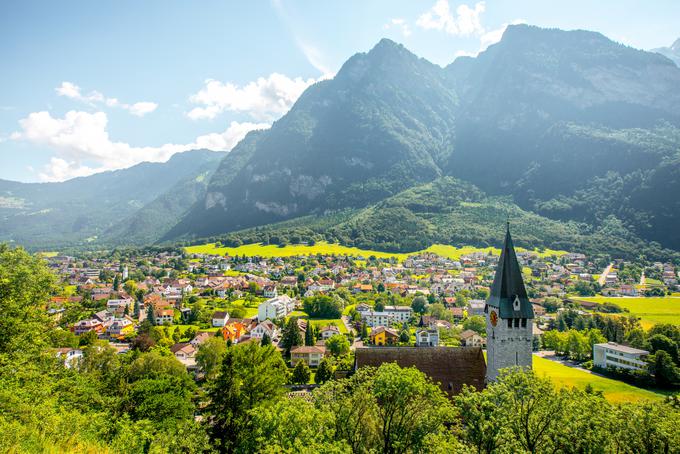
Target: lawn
320,322
650,310
322,247
614,391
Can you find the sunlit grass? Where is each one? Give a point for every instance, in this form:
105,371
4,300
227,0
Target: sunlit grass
650,310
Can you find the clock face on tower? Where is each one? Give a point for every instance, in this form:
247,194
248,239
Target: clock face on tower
493,318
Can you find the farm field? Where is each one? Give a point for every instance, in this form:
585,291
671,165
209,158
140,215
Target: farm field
615,391
322,247
650,310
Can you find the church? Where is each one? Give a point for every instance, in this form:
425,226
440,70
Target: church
509,323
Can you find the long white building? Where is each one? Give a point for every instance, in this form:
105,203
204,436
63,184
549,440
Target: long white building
611,354
275,308
391,314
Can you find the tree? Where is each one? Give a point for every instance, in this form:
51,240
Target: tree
116,283
209,356
379,306
419,304
364,330
381,287
323,306
266,340
338,345
666,374
324,372
475,323
301,373
659,342
405,335
410,406
25,287
309,334
291,335
249,376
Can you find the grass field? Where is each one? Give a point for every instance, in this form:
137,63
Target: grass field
323,247
650,310
614,391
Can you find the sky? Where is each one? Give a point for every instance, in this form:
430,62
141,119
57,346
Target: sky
90,86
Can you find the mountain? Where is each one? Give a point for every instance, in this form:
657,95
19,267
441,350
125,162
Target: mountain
672,52
117,207
567,125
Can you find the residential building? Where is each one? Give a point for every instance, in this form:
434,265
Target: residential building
275,308
611,354
312,355
469,338
384,336
329,331
427,337
265,327
220,318
386,317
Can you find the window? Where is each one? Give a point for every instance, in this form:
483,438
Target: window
524,323
509,323
516,323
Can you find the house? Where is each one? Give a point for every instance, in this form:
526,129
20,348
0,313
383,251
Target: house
121,327
199,339
312,355
220,318
384,336
270,291
185,354
233,330
427,337
71,356
329,331
120,306
469,338
611,354
476,307
266,327
275,308
84,326
539,310
164,316
450,367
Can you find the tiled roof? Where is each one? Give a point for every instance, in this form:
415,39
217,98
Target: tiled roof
451,367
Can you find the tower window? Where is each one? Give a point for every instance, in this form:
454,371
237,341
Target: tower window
524,323
509,323
516,323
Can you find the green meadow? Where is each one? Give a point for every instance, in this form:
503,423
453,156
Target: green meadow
650,310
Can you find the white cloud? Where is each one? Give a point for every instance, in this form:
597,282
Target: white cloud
71,90
465,21
263,99
399,24
83,147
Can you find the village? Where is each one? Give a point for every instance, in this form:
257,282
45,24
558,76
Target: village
323,308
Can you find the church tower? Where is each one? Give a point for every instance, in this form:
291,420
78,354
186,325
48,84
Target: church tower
509,316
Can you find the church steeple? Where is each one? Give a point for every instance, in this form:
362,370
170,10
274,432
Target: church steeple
509,314
508,293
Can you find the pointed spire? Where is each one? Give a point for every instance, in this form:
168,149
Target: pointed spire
508,284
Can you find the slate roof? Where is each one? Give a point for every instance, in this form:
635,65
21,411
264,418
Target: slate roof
450,367
508,285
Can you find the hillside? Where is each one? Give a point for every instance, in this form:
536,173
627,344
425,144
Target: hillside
447,211
47,215
672,52
569,125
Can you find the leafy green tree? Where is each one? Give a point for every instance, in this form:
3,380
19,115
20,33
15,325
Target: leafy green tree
666,373
659,342
338,345
475,323
410,406
324,372
266,340
323,306
25,287
301,373
419,304
250,376
379,306
209,356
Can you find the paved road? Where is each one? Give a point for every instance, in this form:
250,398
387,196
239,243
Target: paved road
604,274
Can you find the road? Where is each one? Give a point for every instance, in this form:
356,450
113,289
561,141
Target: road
603,276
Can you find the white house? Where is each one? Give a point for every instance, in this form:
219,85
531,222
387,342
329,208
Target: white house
266,327
275,308
117,306
328,331
611,354
270,291
71,356
220,318
427,337
471,338
312,355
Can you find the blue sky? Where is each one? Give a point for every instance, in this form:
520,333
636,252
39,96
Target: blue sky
88,86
